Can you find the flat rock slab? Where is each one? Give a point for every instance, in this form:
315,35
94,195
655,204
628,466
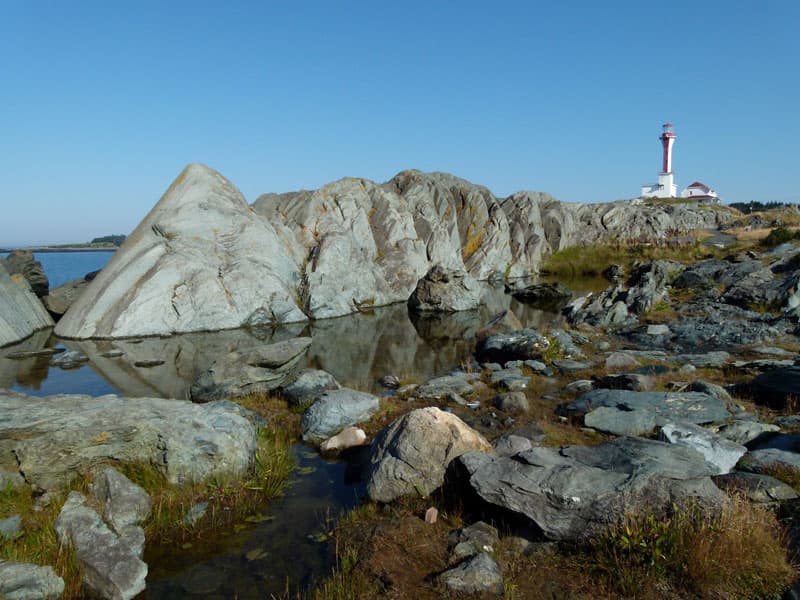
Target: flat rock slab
439,387
22,581
334,411
620,422
717,450
690,407
309,385
53,439
744,432
573,492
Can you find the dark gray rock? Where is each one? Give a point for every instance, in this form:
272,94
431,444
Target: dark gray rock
718,451
523,344
446,290
513,402
309,385
411,455
744,432
625,381
758,488
244,372
543,295
621,422
23,263
712,389
573,492
335,410
441,387
21,581
691,407
479,574
510,380
59,299
776,387
110,568
71,359
708,360
469,541
567,365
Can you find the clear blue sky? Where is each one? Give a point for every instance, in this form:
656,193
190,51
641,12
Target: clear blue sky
102,103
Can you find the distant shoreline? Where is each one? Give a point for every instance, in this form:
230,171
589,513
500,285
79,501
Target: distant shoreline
63,249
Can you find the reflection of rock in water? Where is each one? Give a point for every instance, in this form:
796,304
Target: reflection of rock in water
185,358
29,372
356,349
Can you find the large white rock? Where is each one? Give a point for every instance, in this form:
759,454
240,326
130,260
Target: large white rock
200,260
21,312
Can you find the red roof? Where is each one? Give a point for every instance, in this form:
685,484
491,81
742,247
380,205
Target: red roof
700,184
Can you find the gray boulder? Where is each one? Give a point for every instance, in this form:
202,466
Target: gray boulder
309,385
200,260
543,295
59,299
21,312
53,439
446,290
244,372
573,492
334,411
21,581
513,402
126,507
442,387
411,455
110,568
509,445
23,263
479,574
691,407
523,344
717,450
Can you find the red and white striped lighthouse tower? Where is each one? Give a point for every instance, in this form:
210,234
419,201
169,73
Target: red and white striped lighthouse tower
666,180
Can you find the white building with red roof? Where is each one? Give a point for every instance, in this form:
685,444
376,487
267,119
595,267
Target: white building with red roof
700,191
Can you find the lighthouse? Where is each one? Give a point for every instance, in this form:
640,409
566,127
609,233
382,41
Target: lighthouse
666,187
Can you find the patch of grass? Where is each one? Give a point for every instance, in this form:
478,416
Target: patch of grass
736,554
230,500
778,236
586,261
38,543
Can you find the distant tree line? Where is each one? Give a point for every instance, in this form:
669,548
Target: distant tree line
109,239
753,206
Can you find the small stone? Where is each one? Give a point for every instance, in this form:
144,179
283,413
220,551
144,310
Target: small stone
512,402
113,354
10,528
391,382
431,515
147,364
687,369
347,438
659,329
72,359
580,386
478,574
621,360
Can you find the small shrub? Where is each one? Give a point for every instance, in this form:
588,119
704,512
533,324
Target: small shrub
736,554
778,236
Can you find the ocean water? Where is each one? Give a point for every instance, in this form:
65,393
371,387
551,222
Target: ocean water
61,267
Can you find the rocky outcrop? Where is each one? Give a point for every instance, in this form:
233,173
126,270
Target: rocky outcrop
573,492
443,290
59,299
194,261
200,260
22,262
21,312
412,454
51,440
244,372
